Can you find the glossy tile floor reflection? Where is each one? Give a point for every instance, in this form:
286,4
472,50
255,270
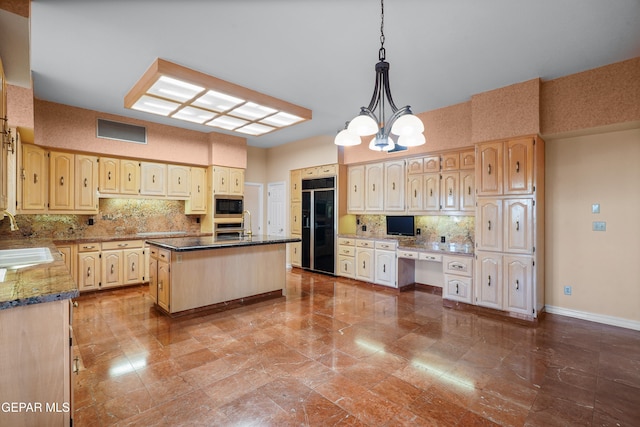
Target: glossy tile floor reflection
335,352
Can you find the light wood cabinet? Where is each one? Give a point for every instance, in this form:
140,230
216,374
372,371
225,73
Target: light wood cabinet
197,201
89,263
357,190
488,280
228,180
129,176
295,252
489,225
518,278
431,188
468,159
296,185
296,218
86,183
160,277
431,164
111,269
69,255
34,181
450,161
109,175
415,193
133,266
489,170
61,181
153,277
450,191
36,353
153,179
394,186
518,166
178,181
365,261
374,196
415,166
518,226
122,263
467,190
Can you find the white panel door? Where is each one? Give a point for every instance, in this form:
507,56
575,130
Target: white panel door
276,209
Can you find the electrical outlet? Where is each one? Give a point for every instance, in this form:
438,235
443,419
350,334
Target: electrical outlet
364,228
599,226
595,208
418,231
443,239
567,290
90,221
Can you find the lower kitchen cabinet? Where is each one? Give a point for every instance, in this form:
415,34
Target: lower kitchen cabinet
488,281
346,257
122,263
160,277
89,267
365,260
37,370
385,264
518,280
70,257
458,278
295,252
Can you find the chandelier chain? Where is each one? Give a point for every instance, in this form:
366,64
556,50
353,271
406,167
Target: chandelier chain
381,52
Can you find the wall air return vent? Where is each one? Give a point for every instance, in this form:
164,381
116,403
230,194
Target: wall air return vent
121,131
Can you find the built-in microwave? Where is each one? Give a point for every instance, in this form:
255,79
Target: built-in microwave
228,206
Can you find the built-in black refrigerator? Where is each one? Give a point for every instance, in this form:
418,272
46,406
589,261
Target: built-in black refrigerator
319,224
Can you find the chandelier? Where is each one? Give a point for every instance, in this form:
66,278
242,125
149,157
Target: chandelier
402,123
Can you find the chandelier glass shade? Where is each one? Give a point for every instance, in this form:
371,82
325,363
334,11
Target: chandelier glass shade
372,119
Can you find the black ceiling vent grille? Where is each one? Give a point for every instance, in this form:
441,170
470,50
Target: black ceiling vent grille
121,131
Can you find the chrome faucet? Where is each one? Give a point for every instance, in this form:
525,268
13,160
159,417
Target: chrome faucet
12,220
247,233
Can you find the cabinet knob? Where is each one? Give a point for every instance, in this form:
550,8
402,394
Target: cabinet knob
76,365
393,185
178,180
489,225
153,178
133,266
109,175
489,169
355,188
489,281
62,180
88,271
457,288
198,188
85,182
517,285
35,178
517,225
129,177
112,266
517,167
374,187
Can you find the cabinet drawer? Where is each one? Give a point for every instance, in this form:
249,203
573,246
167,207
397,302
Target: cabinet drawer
123,244
346,250
426,256
164,255
387,246
365,243
327,170
345,241
408,254
89,247
457,265
310,172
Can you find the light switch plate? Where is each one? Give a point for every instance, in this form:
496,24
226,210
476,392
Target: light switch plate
595,208
599,226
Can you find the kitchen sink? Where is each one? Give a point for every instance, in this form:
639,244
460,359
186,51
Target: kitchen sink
15,258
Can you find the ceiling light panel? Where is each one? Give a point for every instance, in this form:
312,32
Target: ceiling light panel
252,111
255,129
228,123
195,115
217,101
153,105
181,93
176,90
281,119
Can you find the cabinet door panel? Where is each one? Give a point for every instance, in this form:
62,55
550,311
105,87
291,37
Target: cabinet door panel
88,271
164,285
111,269
357,189
489,280
61,179
518,225
153,179
296,185
178,181
129,176
109,171
375,194
197,201
467,190
518,278
415,193
450,191
432,164
431,192
220,180
364,265
519,166
450,161
86,192
385,268
153,279
236,181
34,178
489,225
394,186
489,173
296,218
346,266
133,266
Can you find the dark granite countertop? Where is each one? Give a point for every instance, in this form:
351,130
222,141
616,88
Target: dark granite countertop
38,283
181,244
137,236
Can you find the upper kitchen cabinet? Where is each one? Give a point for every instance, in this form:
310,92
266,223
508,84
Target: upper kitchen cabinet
431,164
518,166
4,154
228,180
129,176
450,161
197,201
153,180
468,159
394,185
109,175
61,184
356,193
119,176
296,185
374,196
489,170
32,195
178,181
86,183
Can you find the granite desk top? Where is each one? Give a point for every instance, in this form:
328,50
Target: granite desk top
38,283
419,244
181,244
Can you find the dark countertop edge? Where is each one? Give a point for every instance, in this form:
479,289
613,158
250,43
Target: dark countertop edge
60,296
404,247
71,241
221,245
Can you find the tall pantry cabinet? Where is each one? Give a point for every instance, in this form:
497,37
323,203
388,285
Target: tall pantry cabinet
509,271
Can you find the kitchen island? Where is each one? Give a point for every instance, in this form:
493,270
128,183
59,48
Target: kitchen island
196,273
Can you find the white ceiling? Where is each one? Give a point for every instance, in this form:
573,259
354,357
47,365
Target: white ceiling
320,54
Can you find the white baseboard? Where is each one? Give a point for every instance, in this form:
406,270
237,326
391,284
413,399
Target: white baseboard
599,318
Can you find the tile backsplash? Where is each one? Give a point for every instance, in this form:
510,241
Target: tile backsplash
455,229
115,217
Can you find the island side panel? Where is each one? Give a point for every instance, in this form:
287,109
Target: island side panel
205,277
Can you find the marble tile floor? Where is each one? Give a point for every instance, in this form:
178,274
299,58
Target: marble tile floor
340,352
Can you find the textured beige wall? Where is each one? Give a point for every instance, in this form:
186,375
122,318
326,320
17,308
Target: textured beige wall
314,151
603,268
19,106
603,96
72,128
506,112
